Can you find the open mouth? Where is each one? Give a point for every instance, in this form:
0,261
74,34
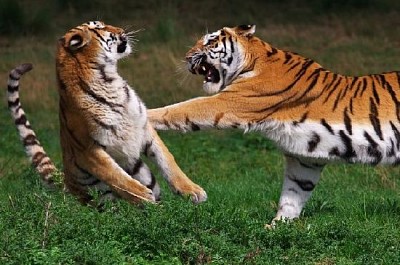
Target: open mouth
209,72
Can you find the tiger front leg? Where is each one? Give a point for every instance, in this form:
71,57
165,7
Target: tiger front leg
176,178
99,164
197,114
299,182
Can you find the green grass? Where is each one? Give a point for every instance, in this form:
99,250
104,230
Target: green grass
352,217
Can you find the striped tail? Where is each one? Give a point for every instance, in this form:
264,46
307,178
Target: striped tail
35,152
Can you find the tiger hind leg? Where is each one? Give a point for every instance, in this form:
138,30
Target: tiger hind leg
300,180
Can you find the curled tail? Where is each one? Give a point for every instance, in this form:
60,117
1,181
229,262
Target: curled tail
33,149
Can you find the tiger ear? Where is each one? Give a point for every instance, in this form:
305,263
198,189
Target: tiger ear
76,39
246,30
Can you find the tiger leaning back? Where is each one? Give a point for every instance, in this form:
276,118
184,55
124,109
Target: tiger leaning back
103,123
313,115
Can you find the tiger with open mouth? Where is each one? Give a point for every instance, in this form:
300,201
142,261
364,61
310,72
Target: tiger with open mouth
313,115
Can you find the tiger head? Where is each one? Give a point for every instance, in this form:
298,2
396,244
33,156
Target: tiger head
97,41
220,56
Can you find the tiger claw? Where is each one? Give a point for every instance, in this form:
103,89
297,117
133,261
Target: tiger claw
199,197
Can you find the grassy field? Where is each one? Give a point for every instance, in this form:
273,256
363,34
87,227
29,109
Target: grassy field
353,216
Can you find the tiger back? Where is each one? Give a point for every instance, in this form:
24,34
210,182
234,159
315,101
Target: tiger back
314,116
103,123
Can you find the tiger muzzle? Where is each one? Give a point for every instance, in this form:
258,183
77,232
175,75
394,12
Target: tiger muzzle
210,73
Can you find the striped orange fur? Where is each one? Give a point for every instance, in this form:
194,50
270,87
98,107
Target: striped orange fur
315,116
103,123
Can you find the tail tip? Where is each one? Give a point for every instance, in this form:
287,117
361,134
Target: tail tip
25,67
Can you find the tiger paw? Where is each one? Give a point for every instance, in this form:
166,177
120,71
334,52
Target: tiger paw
199,195
146,195
196,193
137,195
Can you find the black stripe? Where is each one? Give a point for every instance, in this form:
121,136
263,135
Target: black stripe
373,148
313,143
334,86
152,183
21,120
29,140
391,152
230,59
327,126
231,42
37,158
146,149
351,106
298,76
375,93
349,153
292,67
355,79
305,185
272,52
223,41
138,165
12,89
127,92
338,97
328,74
98,35
396,134
107,79
334,151
275,107
193,126
12,104
357,89
373,116
302,119
86,88
288,57
304,67
342,93
364,86
392,94
315,74
347,122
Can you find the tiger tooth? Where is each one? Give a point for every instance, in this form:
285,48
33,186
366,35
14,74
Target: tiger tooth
204,81
203,68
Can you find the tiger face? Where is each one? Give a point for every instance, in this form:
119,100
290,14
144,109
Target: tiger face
220,56
112,43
